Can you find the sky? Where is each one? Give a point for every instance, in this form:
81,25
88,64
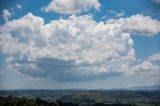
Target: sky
69,44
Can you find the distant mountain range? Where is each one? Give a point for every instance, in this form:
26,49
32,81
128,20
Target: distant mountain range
137,88
151,87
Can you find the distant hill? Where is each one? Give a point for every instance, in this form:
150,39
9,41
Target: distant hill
151,88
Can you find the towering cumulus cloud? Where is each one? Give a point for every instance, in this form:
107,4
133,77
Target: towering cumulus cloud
72,49
71,6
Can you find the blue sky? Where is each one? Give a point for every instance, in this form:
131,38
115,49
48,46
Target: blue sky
51,44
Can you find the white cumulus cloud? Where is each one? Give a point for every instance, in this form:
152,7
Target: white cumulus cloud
19,6
118,14
71,6
6,14
155,57
83,46
149,66
139,24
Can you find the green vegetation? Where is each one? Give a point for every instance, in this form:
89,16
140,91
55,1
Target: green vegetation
14,101
79,98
